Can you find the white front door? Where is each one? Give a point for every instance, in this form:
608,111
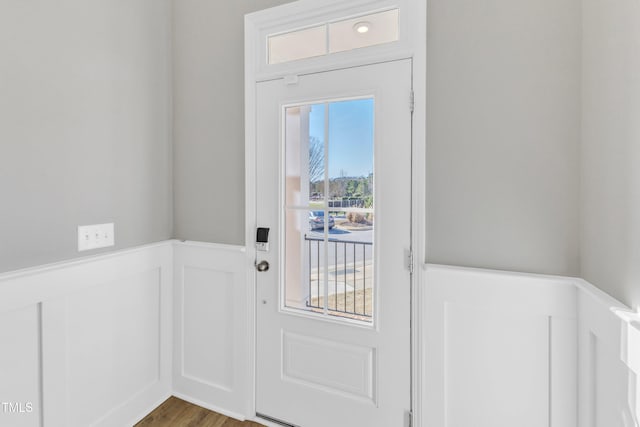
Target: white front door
333,186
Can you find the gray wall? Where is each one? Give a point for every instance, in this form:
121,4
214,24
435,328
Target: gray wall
84,125
503,122
503,119
610,239
208,82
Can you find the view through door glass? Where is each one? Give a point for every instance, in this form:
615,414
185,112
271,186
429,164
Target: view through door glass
329,208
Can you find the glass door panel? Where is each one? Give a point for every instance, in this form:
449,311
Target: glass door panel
329,208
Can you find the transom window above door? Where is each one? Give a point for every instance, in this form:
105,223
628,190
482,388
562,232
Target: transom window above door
327,35
333,37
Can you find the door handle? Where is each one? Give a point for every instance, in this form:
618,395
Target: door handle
262,266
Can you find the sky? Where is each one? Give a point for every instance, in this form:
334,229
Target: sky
350,136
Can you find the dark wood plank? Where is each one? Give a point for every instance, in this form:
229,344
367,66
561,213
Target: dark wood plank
175,412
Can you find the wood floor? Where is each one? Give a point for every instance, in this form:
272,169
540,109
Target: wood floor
176,412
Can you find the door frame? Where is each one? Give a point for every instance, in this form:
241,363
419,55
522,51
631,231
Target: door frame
412,45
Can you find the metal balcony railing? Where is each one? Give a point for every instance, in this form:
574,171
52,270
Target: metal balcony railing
349,277
346,203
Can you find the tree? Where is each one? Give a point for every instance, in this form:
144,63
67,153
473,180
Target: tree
351,187
316,160
337,187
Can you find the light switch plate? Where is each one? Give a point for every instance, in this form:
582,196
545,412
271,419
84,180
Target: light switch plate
95,236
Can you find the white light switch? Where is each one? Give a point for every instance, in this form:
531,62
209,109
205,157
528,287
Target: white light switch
95,236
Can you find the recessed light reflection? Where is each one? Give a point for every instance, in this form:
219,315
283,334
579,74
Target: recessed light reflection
362,27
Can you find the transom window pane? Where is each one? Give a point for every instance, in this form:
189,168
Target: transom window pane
370,30
299,44
329,208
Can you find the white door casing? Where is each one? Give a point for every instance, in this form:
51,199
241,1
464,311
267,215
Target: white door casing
313,370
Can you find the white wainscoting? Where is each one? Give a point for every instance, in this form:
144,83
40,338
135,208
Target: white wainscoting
609,358
97,342
211,336
87,342
500,349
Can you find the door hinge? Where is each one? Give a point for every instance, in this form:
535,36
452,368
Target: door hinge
412,101
408,419
409,254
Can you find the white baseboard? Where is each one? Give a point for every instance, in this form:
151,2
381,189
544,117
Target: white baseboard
147,410
207,405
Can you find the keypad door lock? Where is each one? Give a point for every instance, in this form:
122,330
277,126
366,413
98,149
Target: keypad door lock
262,239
